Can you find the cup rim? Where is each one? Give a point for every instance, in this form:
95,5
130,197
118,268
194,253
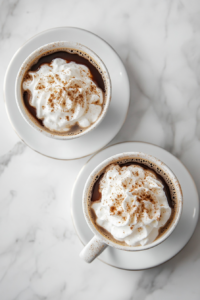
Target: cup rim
56,46
158,163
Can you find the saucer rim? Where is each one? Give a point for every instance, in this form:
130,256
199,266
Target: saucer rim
72,215
5,79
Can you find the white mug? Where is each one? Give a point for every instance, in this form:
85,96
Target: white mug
99,242
54,47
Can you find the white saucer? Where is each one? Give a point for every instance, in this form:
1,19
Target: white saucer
170,247
114,118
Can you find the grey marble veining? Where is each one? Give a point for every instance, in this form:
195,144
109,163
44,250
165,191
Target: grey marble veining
6,158
159,44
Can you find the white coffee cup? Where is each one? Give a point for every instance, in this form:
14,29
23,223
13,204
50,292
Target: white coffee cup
54,47
99,242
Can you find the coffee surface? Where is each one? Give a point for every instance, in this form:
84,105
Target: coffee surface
168,190
71,56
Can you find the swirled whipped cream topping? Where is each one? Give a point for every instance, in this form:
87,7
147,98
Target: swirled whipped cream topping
64,94
133,204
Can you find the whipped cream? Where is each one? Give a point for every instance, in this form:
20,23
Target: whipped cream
64,94
133,204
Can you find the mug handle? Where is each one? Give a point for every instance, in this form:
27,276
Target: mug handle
93,249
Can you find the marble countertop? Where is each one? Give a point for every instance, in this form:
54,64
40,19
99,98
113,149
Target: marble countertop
159,43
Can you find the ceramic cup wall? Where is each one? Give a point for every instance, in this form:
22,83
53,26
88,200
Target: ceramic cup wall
54,47
99,242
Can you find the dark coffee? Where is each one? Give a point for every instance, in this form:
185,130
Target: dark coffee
69,56
168,187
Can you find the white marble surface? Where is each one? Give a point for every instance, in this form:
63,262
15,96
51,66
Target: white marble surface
159,44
